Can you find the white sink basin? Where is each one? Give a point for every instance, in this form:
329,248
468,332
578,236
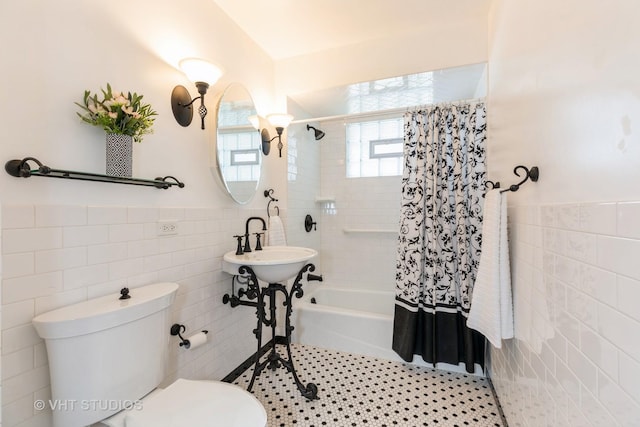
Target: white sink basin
273,264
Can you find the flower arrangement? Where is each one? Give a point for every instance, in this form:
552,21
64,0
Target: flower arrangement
118,113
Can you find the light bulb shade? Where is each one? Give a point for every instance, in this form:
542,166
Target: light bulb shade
280,120
255,121
199,70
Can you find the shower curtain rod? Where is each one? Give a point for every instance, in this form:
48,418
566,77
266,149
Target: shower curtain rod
387,112
352,115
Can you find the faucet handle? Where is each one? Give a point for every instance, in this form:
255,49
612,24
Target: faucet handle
239,248
258,245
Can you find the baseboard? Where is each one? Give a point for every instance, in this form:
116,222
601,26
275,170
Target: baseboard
495,397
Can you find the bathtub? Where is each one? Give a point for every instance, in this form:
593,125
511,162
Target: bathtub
352,320
355,321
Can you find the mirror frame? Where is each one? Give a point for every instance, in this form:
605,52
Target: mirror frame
216,151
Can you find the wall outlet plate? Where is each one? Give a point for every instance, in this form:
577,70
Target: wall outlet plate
167,228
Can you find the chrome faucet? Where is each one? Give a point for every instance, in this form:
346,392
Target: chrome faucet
247,245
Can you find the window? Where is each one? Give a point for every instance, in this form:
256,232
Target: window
385,148
245,157
374,148
396,92
235,150
236,142
374,145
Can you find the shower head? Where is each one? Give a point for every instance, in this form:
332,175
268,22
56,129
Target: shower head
318,134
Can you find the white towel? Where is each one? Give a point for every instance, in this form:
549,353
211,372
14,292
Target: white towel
491,310
275,233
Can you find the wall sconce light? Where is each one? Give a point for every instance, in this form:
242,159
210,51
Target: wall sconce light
280,122
203,74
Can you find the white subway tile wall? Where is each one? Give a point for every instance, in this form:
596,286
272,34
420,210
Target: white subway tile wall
576,357
54,256
369,206
303,181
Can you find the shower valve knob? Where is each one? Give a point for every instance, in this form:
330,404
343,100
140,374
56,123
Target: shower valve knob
309,223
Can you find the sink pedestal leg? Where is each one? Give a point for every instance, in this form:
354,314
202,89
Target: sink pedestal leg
274,360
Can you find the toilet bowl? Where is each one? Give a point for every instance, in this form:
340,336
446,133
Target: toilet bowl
193,403
108,355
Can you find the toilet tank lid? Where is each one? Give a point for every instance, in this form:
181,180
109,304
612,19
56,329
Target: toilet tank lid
105,312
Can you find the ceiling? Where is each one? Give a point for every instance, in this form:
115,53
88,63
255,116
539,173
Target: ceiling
288,28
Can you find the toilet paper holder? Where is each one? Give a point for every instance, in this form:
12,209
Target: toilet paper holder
178,329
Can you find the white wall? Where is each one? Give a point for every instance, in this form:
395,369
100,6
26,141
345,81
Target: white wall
430,47
564,95
134,46
66,241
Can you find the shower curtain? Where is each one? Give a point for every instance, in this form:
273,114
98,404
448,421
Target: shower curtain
440,233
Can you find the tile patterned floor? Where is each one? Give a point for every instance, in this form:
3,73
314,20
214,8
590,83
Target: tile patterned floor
359,391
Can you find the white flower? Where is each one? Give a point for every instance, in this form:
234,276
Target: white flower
120,100
93,108
135,120
116,101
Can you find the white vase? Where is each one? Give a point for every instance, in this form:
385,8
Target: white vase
119,155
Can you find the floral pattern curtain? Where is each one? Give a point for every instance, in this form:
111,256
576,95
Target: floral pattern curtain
440,233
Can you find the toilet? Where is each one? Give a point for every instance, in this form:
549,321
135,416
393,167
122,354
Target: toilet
107,357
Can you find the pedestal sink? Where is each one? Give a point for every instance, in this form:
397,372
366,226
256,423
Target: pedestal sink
273,264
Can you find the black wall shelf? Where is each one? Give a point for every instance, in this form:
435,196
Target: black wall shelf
22,169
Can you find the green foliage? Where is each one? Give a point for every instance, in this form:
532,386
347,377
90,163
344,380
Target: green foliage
118,113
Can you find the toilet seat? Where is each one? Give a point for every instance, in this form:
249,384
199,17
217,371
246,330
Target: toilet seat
196,404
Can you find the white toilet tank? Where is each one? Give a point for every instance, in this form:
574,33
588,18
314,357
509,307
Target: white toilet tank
106,353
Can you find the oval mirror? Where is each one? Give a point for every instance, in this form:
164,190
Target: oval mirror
238,158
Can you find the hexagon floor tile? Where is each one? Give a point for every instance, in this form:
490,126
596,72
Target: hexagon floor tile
356,390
